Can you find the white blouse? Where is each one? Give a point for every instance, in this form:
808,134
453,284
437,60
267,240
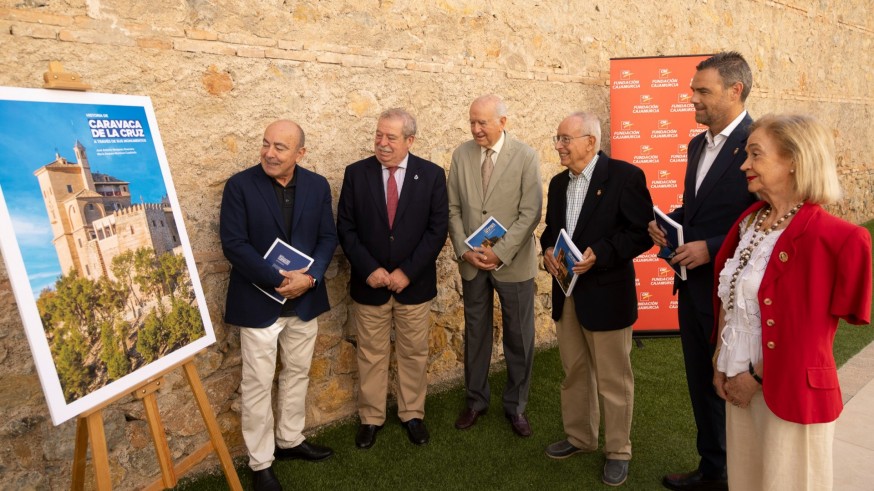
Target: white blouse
742,334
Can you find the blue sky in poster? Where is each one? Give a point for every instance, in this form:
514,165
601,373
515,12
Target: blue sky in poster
30,135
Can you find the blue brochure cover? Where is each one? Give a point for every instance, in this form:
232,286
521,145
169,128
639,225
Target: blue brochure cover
674,235
284,257
487,235
567,255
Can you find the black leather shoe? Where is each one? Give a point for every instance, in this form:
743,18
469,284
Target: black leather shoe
366,436
694,481
416,431
520,424
468,418
304,451
265,480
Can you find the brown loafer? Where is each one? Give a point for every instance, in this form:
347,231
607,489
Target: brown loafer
468,418
520,424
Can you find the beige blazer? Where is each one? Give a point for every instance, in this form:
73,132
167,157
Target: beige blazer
514,197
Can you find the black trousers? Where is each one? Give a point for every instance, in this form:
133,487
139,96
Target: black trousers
696,327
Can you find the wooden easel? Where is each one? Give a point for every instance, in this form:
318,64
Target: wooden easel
89,426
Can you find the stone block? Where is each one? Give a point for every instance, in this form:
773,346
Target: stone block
332,58
247,52
245,39
425,67
286,44
95,37
36,31
361,61
201,35
210,47
289,54
395,64
154,43
35,16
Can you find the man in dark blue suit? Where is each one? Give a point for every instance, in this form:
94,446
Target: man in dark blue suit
715,195
604,206
276,199
392,220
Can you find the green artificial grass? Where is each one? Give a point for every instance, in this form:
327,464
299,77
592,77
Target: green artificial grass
490,456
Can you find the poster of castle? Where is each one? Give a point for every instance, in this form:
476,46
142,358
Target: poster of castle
94,244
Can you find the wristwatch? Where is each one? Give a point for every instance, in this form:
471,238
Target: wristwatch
754,374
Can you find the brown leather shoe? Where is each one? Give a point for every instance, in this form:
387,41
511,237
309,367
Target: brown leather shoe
520,424
468,418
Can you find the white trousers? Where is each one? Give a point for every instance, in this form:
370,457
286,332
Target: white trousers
295,339
766,453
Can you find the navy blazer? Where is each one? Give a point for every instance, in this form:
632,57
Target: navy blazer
708,214
613,222
250,220
412,244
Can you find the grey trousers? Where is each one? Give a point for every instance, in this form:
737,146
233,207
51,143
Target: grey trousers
517,311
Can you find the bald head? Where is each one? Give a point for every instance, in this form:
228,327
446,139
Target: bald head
488,116
281,149
289,126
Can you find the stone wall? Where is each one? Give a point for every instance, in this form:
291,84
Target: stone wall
218,71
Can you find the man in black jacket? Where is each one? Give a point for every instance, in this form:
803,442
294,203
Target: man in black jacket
604,206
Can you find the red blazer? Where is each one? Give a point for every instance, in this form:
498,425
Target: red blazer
820,271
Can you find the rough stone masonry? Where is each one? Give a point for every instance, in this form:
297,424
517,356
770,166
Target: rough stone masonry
219,70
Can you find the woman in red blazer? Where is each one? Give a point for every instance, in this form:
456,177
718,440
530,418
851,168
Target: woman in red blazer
787,272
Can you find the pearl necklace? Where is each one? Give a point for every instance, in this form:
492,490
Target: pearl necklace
755,240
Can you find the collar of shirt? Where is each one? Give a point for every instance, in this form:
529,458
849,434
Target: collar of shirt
291,183
400,174
587,172
495,148
724,134
402,165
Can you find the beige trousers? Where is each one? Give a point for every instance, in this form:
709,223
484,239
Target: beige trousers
295,340
596,365
374,324
766,453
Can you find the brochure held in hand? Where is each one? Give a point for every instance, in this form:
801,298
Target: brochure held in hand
487,235
283,257
674,236
567,254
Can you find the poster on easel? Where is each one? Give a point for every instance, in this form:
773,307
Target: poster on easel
94,243
652,120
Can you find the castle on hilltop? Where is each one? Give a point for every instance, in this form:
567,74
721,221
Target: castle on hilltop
93,219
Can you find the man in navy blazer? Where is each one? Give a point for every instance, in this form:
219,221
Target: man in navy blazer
604,205
276,199
715,195
392,220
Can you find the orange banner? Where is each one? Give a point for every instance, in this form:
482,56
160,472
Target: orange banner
651,122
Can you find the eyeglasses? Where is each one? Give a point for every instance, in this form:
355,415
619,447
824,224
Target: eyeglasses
566,140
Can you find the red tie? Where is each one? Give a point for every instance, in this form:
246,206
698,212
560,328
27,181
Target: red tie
391,196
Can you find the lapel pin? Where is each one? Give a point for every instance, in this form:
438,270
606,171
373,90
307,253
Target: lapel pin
784,257
598,193
416,177
735,151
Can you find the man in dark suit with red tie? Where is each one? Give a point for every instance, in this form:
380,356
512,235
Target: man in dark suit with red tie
715,195
392,220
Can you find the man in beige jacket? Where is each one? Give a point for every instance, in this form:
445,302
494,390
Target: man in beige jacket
496,175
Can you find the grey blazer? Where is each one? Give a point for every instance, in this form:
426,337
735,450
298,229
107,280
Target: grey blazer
514,198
